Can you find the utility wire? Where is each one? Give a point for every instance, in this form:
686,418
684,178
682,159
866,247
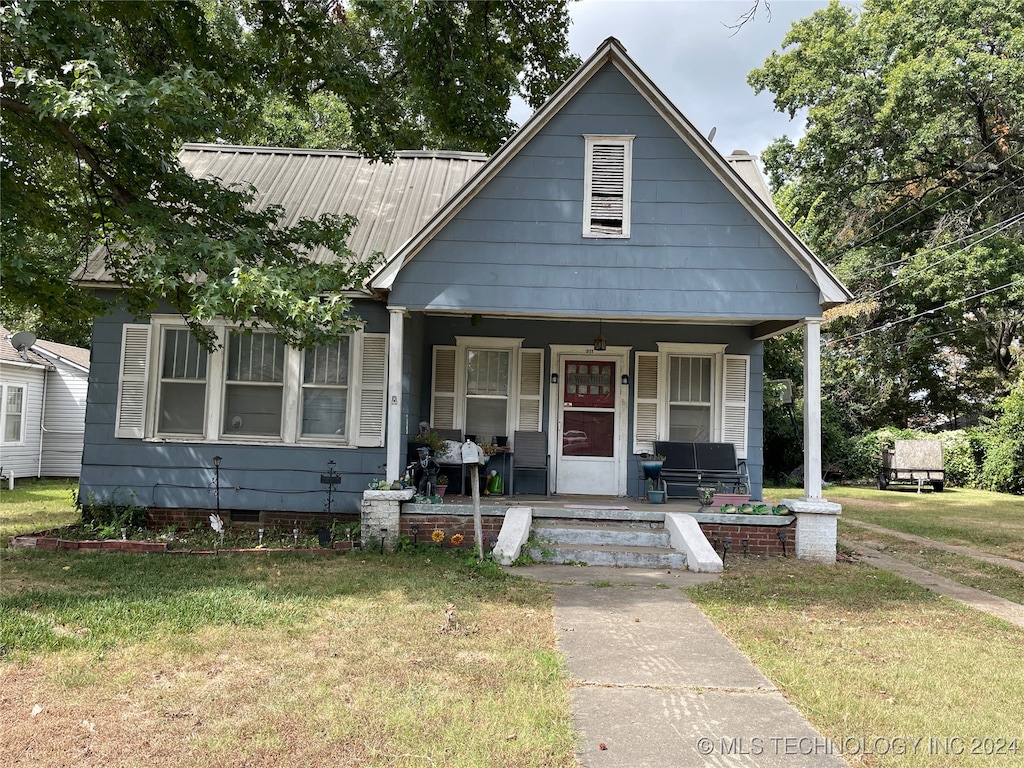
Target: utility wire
889,325
902,259
935,202
1006,224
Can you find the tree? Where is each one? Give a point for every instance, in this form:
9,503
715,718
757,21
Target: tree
96,99
907,182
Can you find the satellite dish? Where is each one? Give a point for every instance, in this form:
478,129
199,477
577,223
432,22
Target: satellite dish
711,136
23,340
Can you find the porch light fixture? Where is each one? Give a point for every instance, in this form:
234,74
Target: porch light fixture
625,379
600,345
554,378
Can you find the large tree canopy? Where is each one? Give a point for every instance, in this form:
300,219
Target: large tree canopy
97,98
908,181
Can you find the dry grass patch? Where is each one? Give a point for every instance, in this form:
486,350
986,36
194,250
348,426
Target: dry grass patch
345,665
863,653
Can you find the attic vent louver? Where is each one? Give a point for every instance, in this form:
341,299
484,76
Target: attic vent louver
607,191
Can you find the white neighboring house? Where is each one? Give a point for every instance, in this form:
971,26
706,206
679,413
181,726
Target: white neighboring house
43,388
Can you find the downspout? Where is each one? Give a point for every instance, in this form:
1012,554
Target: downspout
42,428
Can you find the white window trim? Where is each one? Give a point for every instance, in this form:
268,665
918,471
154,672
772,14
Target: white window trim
216,374
3,413
716,352
463,344
592,140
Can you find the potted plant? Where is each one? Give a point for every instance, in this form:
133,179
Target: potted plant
706,494
442,485
432,439
652,464
655,495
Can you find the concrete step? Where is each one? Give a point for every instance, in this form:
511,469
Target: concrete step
565,532
624,556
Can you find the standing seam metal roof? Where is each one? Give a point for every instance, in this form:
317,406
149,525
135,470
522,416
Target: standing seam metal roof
391,201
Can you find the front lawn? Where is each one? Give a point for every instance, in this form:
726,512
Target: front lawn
36,505
340,660
865,655
992,522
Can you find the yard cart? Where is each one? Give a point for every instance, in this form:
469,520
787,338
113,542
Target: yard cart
913,462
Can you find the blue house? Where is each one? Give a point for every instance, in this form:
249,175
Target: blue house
606,279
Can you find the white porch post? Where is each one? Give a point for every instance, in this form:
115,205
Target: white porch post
816,527
812,409
396,347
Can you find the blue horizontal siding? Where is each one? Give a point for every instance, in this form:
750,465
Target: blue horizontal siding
693,250
166,474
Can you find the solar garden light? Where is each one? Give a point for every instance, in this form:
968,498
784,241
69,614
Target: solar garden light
260,541
782,538
383,533
415,528
746,546
726,543
295,536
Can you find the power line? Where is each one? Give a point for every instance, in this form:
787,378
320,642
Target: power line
935,202
903,259
893,323
1005,224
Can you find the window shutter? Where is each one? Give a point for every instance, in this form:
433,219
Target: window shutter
442,401
736,402
531,383
645,407
130,420
373,389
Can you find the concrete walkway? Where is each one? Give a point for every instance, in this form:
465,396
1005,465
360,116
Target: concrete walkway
656,685
956,549
999,607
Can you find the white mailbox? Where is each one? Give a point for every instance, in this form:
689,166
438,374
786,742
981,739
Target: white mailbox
471,453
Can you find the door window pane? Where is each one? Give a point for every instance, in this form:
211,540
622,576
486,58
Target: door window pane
588,433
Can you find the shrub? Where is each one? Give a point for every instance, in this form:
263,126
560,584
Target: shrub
1003,439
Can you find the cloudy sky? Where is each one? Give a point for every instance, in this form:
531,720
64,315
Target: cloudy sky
687,49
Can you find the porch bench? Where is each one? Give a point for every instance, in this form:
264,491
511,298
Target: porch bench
697,464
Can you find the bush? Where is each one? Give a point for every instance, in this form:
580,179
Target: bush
1003,440
963,453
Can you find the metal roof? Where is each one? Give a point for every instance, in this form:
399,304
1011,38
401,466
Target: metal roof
390,200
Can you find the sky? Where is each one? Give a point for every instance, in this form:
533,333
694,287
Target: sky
687,49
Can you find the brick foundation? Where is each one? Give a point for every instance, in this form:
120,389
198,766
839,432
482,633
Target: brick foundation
184,519
451,524
761,539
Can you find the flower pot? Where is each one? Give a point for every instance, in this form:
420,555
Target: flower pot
441,489
706,496
656,497
652,469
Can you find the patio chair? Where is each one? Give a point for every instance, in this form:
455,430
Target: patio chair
530,453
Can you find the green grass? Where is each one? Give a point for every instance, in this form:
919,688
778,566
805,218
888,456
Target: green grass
972,572
36,505
231,660
992,522
862,652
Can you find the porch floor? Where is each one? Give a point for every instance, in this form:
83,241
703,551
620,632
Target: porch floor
540,502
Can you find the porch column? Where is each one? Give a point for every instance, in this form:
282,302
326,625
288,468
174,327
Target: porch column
815,517
393,436
812,409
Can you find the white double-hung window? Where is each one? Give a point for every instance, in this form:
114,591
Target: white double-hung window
691,393
487,387
607,185
251,388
